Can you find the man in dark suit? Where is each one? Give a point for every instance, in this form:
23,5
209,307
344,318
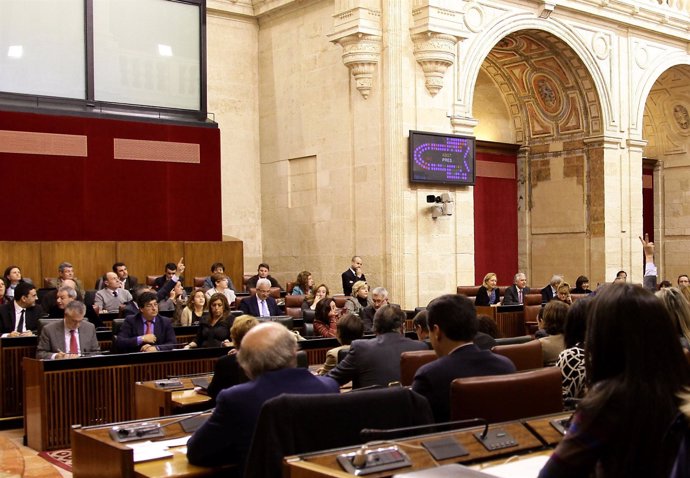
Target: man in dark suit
261,304
452,326
269,357
550,291
68,338
377,361
515,294
146,331
20,316
128,282
379,298
352,275
172,272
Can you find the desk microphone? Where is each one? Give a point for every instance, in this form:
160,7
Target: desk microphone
147,429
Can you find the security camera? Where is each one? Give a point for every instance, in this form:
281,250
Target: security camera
448,208
436,211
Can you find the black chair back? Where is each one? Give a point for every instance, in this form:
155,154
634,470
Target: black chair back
282,430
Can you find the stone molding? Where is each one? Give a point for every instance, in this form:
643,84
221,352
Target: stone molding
434,52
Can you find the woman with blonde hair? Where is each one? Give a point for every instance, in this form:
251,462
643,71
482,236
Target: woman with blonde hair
359,298
488,293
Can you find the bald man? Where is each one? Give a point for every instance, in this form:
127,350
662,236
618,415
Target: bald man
269,358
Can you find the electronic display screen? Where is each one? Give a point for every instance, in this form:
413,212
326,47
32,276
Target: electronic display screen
441,158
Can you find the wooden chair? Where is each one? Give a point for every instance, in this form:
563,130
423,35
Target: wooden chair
410,363
525,356
500,398
293,305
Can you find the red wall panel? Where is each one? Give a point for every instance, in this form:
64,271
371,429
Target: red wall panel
50,197
495,223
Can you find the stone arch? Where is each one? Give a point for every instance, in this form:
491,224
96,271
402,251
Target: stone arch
481,45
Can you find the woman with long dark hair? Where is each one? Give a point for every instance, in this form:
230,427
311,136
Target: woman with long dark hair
326,318
635,369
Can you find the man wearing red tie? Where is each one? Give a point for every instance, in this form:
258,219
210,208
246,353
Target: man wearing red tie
68,338
146,331
515,294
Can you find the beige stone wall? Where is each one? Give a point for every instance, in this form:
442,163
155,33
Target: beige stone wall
233,101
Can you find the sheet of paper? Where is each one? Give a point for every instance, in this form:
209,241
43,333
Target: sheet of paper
524,468
149,450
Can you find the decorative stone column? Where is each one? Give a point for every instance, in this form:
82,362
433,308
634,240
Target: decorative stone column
435,34
358,31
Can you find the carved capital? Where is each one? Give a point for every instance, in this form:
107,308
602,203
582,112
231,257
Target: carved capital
361,54
434,52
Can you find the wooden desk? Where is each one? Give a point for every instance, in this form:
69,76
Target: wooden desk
95,454
151,401
542,428
96,390
510,320
320,465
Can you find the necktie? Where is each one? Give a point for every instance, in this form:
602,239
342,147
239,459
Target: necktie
264,309
73,347
149,328
20,325
520,296
114,293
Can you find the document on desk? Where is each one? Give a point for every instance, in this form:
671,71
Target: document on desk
149,450
524,468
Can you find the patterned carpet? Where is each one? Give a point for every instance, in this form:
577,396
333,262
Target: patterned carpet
61,458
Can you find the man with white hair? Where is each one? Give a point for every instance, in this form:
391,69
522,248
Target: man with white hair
379,298
261,304
69,338
515,294
550,291
269,358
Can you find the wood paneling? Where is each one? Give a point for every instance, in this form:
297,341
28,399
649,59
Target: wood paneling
91,259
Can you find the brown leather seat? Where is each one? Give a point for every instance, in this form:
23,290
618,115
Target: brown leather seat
199,282
340,300
293,305
525,356
532,299
500,398
49,282
150,280
468,290
410,363
289,286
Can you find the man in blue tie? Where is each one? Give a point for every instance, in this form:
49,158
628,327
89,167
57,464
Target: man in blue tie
261,304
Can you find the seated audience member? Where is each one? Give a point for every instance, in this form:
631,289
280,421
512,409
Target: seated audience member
146,331
170,272
68,338
349,328
549,292
66,271
321,292
359,299
113,297
635,372
196,308
487,332
679,310
262,273
420,323
379,298
176,300
326,318
227,371
377,361
214,331
221,286
452,326
488,293
621,276
563,293
128,282
683,281
261,304
581,286
217,268
551,321
20,316
56,301
162,294
352,275
305,284
3,289
269,357
515,294
12,277
571,361
664,284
